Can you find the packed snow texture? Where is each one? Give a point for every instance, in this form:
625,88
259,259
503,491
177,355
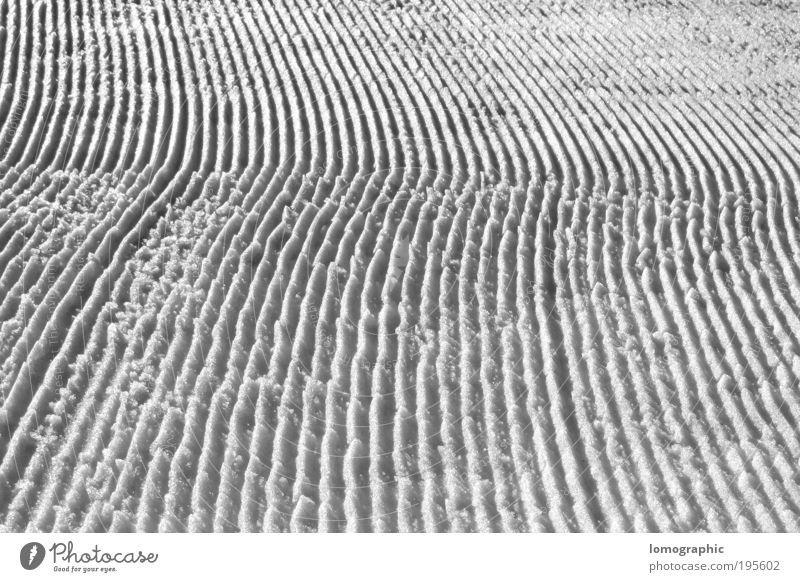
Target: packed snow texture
404,265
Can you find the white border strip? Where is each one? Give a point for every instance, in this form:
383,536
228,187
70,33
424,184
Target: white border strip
403,557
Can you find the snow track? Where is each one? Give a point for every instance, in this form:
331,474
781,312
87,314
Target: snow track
399,266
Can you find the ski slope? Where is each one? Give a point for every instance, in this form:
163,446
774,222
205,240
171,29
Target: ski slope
402,265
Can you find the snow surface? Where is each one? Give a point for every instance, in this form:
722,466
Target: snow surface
399,266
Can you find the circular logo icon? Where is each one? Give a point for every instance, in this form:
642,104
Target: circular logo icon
31,555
